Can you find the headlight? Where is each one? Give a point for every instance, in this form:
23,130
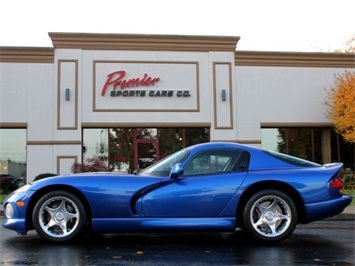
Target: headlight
9,211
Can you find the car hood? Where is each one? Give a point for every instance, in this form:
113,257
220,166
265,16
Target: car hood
98,180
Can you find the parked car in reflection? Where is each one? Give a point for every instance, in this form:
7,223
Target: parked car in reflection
207,187
9,183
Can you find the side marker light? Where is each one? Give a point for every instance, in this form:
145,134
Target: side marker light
20,203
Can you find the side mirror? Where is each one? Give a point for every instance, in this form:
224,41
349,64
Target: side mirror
176,171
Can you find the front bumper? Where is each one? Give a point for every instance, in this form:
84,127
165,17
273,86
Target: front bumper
18,225
18,220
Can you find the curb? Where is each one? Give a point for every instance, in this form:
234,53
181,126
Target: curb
347,214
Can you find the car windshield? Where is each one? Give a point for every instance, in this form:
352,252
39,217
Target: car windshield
292,160
163,167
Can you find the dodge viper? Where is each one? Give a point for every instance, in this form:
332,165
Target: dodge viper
210,187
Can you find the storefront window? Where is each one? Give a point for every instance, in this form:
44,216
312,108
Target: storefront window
196,135
342,151
12,158
146,133
95,144
304,143
171,140
310,144
269,139
121,149
132,149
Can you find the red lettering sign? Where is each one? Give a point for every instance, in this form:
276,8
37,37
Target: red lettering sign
116,80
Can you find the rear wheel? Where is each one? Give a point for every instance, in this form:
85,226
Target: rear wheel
59,216
270,216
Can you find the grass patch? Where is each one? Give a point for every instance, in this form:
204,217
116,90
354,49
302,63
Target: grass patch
2,198
351,193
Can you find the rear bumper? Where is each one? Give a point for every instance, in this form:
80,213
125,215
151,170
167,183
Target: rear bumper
325,209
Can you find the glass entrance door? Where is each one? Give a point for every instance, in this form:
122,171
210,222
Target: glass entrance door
146,147
146,153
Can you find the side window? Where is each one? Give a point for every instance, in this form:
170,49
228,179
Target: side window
213,161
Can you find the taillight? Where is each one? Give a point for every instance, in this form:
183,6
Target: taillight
337,183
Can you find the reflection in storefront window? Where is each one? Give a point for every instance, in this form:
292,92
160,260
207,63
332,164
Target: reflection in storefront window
147,133
95,144
121,149
174,139
171,140
130,149
304,143
342,151
310,144
269,139
196,135
12,158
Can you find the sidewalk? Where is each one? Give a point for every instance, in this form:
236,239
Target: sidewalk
347,214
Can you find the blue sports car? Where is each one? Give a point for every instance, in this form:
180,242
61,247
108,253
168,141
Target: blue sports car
210,187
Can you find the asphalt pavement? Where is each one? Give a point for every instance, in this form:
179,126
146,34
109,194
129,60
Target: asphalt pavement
347,214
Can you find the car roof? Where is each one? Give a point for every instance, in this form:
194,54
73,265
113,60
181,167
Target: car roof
217,145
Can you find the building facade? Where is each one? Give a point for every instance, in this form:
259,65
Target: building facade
130,100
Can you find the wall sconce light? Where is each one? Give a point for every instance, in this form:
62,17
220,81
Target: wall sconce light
224,95
67,94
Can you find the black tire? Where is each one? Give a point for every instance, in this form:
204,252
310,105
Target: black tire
59,216
270,216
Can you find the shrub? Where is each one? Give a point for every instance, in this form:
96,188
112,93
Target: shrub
349,180
44,175
90,165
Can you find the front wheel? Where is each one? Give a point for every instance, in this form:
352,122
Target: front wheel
59,216
270,216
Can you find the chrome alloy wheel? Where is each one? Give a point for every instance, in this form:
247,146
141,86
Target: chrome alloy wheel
270,216
58,217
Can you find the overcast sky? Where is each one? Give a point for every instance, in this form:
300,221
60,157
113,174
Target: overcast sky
263,25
